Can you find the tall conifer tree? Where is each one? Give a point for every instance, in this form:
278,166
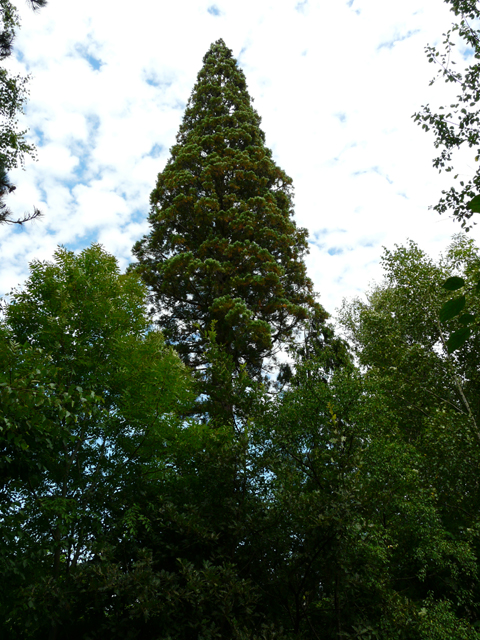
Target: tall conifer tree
223,250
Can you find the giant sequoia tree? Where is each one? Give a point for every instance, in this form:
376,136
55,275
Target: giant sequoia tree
223,251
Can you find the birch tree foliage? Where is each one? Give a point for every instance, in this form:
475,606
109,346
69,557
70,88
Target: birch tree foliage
456,125
433,397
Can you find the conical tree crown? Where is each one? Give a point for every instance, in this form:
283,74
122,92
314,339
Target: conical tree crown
223,249
220,100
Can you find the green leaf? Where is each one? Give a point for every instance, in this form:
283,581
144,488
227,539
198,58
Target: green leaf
458,338
451,308
474,205
467,318
453,283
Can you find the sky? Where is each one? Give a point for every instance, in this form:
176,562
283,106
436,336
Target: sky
335,84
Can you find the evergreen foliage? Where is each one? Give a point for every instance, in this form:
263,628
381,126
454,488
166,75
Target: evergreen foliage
224,252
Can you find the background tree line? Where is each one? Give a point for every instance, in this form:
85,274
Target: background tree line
162,476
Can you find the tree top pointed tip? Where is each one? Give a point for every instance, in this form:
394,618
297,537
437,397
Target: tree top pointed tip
219,47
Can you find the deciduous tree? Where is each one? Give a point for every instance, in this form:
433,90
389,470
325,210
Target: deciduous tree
88,396
457,125
432,398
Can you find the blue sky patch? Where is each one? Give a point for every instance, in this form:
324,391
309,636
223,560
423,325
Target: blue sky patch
154,80
242,51
84,241
213,10
138,215
300,6
361,172
43,194
82,151
383,175
156,151
349,5
81,169
179,105
94,62
324,232
318,239
40,136
376,169
389,44
335,251
93,122
341,116
346,148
